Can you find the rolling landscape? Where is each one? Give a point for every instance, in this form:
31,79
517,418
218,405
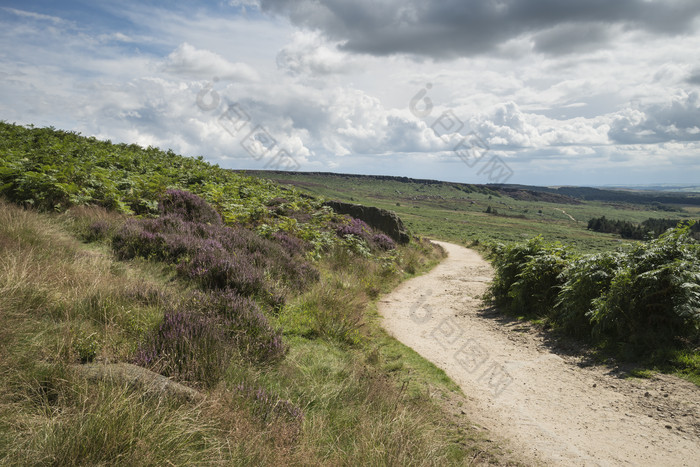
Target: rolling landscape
466,213
263,312
350,233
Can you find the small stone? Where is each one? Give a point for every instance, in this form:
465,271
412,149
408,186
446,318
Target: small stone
669,427
665,395
595,385
646,394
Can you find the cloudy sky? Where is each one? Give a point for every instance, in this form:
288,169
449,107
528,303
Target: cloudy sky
545,92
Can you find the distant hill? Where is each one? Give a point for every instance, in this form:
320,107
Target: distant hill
621,196
562,194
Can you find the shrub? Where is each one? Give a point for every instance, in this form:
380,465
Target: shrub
212,270
508,261
292,245
187,346
217,256
244,322
188,207
648,298
536,288
195,342
527,277
133,240
356,228
96,231
584,280
383,242
654,299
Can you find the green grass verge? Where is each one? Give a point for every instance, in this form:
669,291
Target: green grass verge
364,398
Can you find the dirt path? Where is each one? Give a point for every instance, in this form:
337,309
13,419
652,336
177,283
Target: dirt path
567,214
552,407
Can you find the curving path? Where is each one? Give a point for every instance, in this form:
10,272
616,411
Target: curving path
551,407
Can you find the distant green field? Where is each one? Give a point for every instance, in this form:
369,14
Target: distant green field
456,212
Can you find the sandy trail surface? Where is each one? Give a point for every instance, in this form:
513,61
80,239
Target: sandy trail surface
549,405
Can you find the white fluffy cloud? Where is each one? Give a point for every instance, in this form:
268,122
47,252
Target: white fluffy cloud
562,99
309,54
189,61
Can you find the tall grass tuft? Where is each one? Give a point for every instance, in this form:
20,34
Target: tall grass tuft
109,424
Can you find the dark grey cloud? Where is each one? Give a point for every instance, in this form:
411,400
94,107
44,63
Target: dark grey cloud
694,78
678,120
573,37
452,28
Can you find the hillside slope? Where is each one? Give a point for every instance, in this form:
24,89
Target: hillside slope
252,295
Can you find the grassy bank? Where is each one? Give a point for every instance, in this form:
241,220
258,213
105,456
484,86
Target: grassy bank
342,394
259,298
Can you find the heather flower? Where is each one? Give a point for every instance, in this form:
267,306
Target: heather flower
357,228
97,231
245,322
383,242
292,245
214,270
187,346
189,207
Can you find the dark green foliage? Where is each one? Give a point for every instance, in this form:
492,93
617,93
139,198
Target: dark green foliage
528,276
650,228
646,299
654,299
53,170
585,279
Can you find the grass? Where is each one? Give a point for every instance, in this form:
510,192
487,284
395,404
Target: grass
345,393
88,424
340,391
456,213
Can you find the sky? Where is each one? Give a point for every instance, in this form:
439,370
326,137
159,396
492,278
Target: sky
540,92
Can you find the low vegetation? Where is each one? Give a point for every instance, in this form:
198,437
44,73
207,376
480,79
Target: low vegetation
263,300
255,295
650,228
476,214
641,303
